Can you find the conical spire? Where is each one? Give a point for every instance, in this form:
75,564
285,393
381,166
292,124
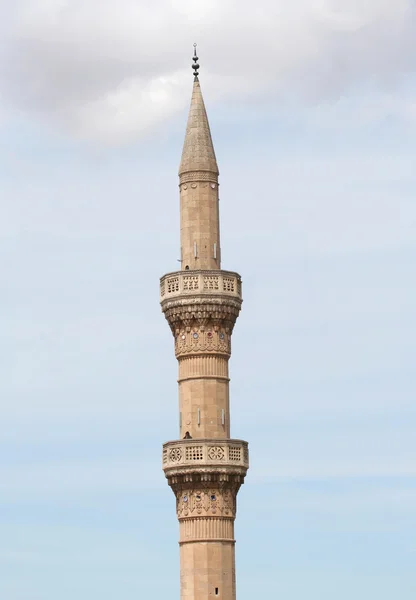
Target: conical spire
198,151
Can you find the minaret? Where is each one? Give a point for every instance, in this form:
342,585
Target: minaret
204,468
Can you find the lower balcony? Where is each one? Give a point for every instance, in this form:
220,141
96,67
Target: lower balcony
207,454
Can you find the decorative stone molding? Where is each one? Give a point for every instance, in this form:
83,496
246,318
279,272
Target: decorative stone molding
198,176
200,311
206,283
211,502
200,299
205,454
175,455
202,340
216,453
202,529
203,365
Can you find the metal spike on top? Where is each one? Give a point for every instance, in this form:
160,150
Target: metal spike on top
196,65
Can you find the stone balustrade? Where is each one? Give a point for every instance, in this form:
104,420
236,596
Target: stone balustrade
191,283
205,453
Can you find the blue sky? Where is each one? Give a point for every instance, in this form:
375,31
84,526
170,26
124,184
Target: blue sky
313,117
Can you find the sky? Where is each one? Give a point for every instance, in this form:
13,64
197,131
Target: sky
313,116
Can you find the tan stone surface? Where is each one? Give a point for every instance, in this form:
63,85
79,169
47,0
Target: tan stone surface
198,150
207,571
201,404
200,235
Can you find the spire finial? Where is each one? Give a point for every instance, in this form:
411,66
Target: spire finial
196,65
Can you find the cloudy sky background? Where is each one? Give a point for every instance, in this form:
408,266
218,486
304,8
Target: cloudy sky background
313,113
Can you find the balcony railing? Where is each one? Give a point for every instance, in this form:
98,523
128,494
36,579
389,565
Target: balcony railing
183,283
205,453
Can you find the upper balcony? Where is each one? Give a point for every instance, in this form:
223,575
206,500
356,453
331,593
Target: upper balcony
191,283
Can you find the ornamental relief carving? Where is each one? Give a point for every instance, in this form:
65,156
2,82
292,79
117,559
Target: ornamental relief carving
184,314
208,502
175,454
217,304
216,453
202,340
212,286
211,282
232,474
190,282
198,176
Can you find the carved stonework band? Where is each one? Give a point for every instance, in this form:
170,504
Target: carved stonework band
206,339
203,366
221,312
198,176
203,529
212,502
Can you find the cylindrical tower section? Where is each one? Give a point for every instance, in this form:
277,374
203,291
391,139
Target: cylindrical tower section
206,541
204,405
201,308
200,230
201,583
199,202
205,476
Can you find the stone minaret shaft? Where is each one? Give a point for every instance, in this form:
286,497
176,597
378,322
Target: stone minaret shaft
200,223
205,468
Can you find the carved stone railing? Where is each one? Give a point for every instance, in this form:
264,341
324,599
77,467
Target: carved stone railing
191,283
205,453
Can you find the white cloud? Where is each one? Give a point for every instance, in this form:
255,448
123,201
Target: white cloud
117,69
136,106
